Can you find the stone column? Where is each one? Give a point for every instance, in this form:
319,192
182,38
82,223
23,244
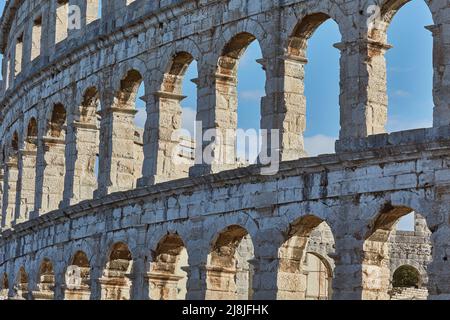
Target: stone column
96,289
10,196
284,106
2,177
28,178
197,261
363,98
116,170
439,268
217,111
348,257
81,155
160,143
441,66
54,173
265,268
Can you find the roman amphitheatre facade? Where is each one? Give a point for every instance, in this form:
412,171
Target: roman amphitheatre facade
143,226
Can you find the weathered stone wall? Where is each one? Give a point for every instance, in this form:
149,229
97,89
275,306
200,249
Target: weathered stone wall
67,233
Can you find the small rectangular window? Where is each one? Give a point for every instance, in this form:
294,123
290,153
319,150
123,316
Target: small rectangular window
36,35
18,55
62,20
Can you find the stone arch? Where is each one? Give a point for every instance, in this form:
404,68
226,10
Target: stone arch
84,142
87,112
11,180
291,278
128,87
78,277
319,274
376,274
29,162
45,281
378,46
115,282
53,172
298,40
15,142
122,153
57,122
22,285
229,272
388,10
168,269
399,281
32,134
237,40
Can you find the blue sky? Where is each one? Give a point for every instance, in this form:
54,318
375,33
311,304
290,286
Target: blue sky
409,67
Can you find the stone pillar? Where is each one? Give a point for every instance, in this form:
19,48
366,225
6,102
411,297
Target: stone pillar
116,170
77,285
115,286
96,289
441,66
265,267
196,269
81,155
363,98
28,178
137,279
348,256
217,111
439,268
10,182
284,106
54,173
160,143
2,177
40,168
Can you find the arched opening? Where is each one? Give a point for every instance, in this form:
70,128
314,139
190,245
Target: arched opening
168,270
126,140
22,285
406,277
177,102
4,287
229,271
407,284
45,282
29,169
318,277
115,282
317,72
404,75
382,246
78,280
87,144
250,80
57,122
55,159
32,133
239,147
303,271
11,183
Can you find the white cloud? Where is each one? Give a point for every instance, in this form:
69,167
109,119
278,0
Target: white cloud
394,124
320,144
251,95
401,93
